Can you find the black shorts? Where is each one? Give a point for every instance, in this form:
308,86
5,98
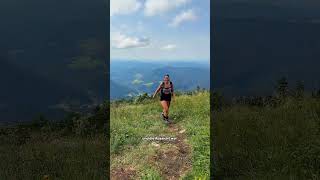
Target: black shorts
165,98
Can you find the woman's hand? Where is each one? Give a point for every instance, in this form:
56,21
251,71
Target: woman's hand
156,92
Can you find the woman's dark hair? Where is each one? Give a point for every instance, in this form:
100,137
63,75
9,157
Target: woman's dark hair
167,75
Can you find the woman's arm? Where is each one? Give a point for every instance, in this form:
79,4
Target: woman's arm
156,92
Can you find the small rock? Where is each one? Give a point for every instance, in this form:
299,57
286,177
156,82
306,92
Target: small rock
182,131
155,144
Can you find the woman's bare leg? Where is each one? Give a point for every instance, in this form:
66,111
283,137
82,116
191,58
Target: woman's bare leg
165,108
168,104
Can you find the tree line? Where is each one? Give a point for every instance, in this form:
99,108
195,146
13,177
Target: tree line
282,92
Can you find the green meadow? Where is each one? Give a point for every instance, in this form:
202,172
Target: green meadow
185,157
75,148
268,142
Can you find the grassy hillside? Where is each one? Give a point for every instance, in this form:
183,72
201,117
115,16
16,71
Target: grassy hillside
74,148
280,142
56,158
185,156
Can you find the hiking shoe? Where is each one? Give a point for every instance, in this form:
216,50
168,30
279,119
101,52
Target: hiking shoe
166,121
162,116
169,120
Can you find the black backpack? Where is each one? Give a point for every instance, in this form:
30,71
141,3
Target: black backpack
162,86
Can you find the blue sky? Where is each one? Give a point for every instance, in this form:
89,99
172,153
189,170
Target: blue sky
160,30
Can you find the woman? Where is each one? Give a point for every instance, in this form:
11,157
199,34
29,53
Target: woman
166,92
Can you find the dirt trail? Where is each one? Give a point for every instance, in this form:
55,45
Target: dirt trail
123,173
172,162
175,161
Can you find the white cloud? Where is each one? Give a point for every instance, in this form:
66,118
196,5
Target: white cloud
155,7
184,16
169,47
124,6
121,41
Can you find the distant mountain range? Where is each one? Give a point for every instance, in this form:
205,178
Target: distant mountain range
52,57
130,78
27,92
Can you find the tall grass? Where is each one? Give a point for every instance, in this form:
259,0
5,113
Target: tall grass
75,148
282,142
61,158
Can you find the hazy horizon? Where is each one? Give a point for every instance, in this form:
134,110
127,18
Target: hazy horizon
162,60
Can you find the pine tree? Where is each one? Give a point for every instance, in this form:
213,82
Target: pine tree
299,89
217,101
282,87
198,88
